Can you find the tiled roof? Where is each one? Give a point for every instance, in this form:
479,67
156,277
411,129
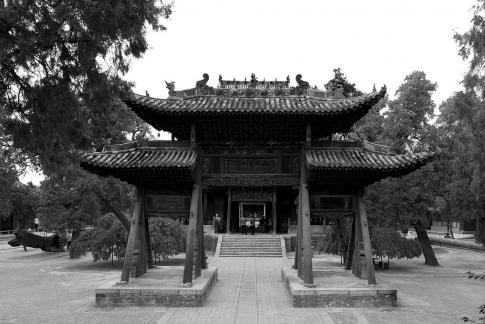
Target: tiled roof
350,169
258,104
161,168
252,119
363,160
142,158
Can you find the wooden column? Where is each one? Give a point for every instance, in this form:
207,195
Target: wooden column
229,203
191,238
140,265
299,238
307,237
201,249
193,142
205,206
356,259
371,277
199,233
350,248
295,263
273,211
148,245
132,237
308,137
306,227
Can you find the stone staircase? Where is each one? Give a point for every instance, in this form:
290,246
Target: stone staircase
250,246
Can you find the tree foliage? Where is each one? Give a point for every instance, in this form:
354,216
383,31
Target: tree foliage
167,236
463,116
340,87
60,70
104,241
406,126
72,202
61,64
388,242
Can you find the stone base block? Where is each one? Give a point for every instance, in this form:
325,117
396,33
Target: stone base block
321,296
164,290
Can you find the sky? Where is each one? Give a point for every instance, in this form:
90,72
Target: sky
374,42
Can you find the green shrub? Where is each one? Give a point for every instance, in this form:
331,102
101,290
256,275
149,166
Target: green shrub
167,237
336,239
388,242
104,241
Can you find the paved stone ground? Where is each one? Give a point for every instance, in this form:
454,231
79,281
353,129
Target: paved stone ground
39,287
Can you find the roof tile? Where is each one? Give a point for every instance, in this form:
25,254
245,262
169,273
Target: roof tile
361,159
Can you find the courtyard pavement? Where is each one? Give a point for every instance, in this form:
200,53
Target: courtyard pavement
39,287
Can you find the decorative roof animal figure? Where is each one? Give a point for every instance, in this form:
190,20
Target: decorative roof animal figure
202,83
171,88
301,84
254,80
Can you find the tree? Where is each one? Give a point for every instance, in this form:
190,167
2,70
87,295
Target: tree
370,127
167,237
61,64
340,87
461,133
407,128
105,241
473,116
388,242
74,202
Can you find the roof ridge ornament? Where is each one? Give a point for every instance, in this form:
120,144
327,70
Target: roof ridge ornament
203,83
302,84
171,88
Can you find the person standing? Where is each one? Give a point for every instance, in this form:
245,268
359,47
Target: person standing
69,239
217,222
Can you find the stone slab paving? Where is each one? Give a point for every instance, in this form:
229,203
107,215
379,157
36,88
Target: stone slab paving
38,287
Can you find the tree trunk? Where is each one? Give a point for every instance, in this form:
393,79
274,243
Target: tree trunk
429,257
122,217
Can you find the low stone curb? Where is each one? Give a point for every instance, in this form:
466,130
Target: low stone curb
457,243
335,297
112,294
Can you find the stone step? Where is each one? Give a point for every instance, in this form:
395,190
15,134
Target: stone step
251,255
246,240
249,252
249,242
250,246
